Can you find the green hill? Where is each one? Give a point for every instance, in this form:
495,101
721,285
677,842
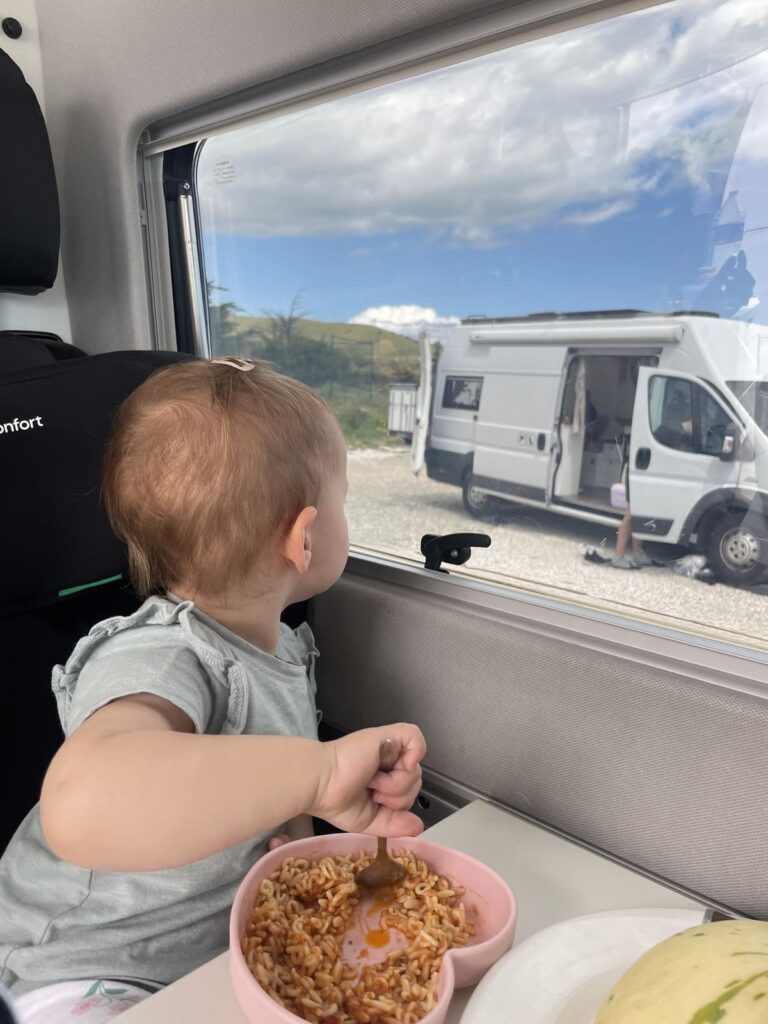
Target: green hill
391,353
350,365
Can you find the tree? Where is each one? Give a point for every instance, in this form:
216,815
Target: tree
310,360
226,338
283,342
281,327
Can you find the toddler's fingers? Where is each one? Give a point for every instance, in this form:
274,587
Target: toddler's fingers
395,803
400,800
277,841
396,781
412,749
408,741
395,823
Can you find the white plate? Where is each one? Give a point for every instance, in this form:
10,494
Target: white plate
563,974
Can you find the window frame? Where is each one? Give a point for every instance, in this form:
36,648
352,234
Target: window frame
737,666
436,46
439,46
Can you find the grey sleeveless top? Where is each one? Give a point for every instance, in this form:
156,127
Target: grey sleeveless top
60,922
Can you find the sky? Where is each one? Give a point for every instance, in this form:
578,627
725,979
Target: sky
580,171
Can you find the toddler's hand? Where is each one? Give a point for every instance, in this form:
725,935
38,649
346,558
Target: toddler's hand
355,796
279,840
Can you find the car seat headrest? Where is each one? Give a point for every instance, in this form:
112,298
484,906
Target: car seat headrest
29,203
55,420
21,350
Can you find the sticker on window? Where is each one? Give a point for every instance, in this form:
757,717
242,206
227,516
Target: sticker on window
462,393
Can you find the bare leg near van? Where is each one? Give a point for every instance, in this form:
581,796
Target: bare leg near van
624,533
622,560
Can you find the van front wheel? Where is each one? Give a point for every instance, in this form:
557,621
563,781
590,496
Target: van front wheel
476,502
735,552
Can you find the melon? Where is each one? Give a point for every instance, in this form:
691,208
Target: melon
711,974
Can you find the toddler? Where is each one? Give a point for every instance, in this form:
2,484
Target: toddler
191,730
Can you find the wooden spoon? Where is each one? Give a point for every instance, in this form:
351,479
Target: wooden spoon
383,870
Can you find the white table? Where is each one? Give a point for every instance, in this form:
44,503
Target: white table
552,879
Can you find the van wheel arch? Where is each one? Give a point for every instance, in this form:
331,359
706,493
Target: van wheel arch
737,554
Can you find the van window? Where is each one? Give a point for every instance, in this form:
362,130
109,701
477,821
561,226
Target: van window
711,423
618,165
686,417
671,412
462,393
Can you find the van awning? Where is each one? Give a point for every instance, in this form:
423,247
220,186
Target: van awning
658,332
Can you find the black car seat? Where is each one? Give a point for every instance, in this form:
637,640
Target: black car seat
29,225
61,567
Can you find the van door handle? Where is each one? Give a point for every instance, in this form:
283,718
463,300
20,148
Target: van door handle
643,458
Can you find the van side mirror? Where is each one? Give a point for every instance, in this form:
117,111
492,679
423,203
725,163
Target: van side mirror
730,443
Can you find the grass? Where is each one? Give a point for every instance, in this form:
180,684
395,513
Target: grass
362,413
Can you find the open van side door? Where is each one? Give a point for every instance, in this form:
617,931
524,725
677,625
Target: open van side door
678,450
423,404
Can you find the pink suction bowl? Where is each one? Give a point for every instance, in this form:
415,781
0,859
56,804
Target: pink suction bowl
488,899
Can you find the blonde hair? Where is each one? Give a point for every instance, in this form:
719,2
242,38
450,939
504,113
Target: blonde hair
209,463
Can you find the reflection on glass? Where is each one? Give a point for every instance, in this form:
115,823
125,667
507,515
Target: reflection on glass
753,395
619,165
615,166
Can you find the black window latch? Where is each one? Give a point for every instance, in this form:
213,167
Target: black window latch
454,548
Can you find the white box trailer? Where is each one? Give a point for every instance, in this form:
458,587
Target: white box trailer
556,410
401,414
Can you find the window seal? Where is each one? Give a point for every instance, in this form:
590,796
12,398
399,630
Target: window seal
185,250
736,665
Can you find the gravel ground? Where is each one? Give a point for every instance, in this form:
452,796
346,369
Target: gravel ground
389,509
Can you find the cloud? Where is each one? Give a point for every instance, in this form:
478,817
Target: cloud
600,213
408,320
591,118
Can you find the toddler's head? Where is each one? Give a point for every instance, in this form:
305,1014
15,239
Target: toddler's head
210,467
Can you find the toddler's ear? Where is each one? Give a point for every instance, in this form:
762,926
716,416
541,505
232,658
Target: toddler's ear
297,546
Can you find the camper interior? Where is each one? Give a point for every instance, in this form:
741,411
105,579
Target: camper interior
605,758
595,426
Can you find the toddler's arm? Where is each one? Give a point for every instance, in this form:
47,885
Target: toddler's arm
135,789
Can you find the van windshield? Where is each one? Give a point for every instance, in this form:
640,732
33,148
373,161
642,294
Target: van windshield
753,395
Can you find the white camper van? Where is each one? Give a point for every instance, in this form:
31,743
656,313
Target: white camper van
572,411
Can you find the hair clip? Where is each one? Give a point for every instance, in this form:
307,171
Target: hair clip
235,362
